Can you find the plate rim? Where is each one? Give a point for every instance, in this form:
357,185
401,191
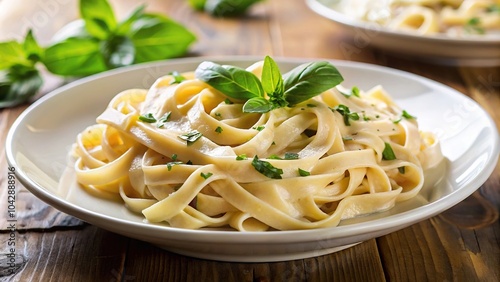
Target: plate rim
330,13
288,236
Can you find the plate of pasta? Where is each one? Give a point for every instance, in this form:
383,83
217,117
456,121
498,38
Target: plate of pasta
449,32
253,159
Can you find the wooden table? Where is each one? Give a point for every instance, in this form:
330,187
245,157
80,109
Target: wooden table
461,244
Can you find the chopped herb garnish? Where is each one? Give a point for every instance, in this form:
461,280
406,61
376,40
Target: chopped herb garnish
191,137
171,164
189,162
149,118
406,115
241,157
217,114
291,156
259,128
346,113
494,8
274,157
474,26
347,138
352,92
218,129
164,119
174,157
304,172
267,168
228,102
397,121
178,78
388,153
311,105
206,175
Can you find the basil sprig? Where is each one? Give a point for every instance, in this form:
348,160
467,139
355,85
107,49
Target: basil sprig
299,85
19,77
104,43
223,8
98,42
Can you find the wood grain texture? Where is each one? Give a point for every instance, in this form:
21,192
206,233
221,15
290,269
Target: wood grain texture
460,244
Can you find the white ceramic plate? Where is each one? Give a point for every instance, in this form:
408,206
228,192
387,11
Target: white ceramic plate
481,51
39,141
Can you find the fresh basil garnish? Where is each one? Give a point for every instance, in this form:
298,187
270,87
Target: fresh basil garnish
298,85
149,118
257,105
206,175
388,153
303,172
232,81
346,113
309,80
191,137
266,168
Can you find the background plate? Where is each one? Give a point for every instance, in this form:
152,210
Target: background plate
438,48
40,139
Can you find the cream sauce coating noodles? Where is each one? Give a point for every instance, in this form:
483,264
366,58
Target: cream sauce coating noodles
455,18
338,169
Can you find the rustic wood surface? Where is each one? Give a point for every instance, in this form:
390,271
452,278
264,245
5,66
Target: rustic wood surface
461,244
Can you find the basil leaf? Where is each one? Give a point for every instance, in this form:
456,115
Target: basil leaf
266,168
178,78
241,157
118,51
474,26
18,84
73,29
309,80
75,57
231,81
12,53
206,175
346,113
493,8
197,4
124,27
163,120
354,91
171,164
388,153
272,81
149,118
257,105
98,16
228,8
156,37
191,137
291,156
304,172
31,48
406,115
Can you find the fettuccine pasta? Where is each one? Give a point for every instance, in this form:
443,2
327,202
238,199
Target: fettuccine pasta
185,154
455,18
